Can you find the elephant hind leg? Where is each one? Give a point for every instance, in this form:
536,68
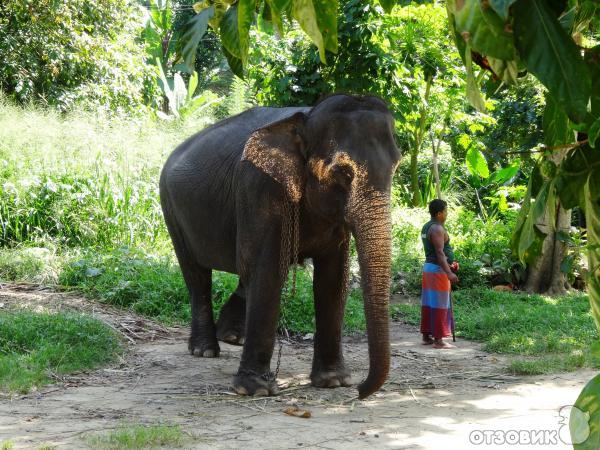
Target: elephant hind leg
232,319
198,279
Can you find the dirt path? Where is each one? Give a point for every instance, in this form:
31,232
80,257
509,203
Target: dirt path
434,399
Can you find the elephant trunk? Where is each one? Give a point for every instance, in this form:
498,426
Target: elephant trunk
369,215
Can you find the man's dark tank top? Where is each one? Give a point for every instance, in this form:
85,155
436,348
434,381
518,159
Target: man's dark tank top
430,255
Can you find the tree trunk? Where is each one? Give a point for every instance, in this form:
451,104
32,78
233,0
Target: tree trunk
418,141
436,173
414,178
544,276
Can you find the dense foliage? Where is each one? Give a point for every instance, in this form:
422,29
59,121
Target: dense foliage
62,53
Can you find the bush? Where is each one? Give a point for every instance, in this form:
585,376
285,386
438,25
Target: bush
482,260
62,53
149,285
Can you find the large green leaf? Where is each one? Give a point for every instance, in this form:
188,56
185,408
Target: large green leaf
245,16
592,218
192,85
530,232
235,63
476,163
556,124
304,12
458,40
220,7
195,29
280,6
592,59
277,8
230,37
552,56
594,132
473,93
484,30
161,13
327,13
558,7
153,42
581,164
505,174
387,5
584,422
501,7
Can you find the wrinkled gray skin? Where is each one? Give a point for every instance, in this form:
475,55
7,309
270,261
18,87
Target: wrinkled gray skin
222,193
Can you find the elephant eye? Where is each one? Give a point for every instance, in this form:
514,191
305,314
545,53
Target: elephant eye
328,160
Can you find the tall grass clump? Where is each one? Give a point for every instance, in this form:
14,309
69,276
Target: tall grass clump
83,180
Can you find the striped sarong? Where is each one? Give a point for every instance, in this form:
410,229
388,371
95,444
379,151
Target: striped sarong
436,302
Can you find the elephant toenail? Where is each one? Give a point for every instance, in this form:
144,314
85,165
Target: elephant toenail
241,390
347,381
334,382
209,353
196,352
241,340
261,392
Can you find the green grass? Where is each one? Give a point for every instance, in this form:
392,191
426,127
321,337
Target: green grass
153,286
298,311
83,180
35,346
558,331
6,445
138,437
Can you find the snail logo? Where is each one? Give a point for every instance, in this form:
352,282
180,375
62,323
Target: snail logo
574,425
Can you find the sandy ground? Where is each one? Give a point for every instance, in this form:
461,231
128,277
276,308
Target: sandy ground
434,399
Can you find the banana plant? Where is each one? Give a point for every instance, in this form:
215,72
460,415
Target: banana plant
480,178
181,99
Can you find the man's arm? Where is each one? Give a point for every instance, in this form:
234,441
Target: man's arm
437,238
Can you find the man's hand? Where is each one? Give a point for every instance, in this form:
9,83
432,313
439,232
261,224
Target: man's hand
453,278
454,266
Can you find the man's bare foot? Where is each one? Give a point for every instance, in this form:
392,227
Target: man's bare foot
427,339
440,344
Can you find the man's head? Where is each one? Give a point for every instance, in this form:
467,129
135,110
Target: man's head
438,210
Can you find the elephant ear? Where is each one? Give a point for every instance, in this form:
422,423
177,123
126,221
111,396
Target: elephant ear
279,150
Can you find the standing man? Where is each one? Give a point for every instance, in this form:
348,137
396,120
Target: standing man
437,321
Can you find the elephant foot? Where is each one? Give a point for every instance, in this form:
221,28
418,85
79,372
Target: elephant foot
330,378
203,349
232,320
249,382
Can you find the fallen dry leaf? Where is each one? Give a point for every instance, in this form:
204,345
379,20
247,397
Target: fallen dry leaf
296,412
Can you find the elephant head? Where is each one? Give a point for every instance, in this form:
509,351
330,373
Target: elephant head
339,159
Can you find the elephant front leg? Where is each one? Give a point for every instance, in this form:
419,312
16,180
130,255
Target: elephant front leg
263,295
330,287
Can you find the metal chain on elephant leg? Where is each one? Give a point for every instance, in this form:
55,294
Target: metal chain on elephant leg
290,243
290,240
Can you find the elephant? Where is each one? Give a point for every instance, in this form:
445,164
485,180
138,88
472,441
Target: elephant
256,192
